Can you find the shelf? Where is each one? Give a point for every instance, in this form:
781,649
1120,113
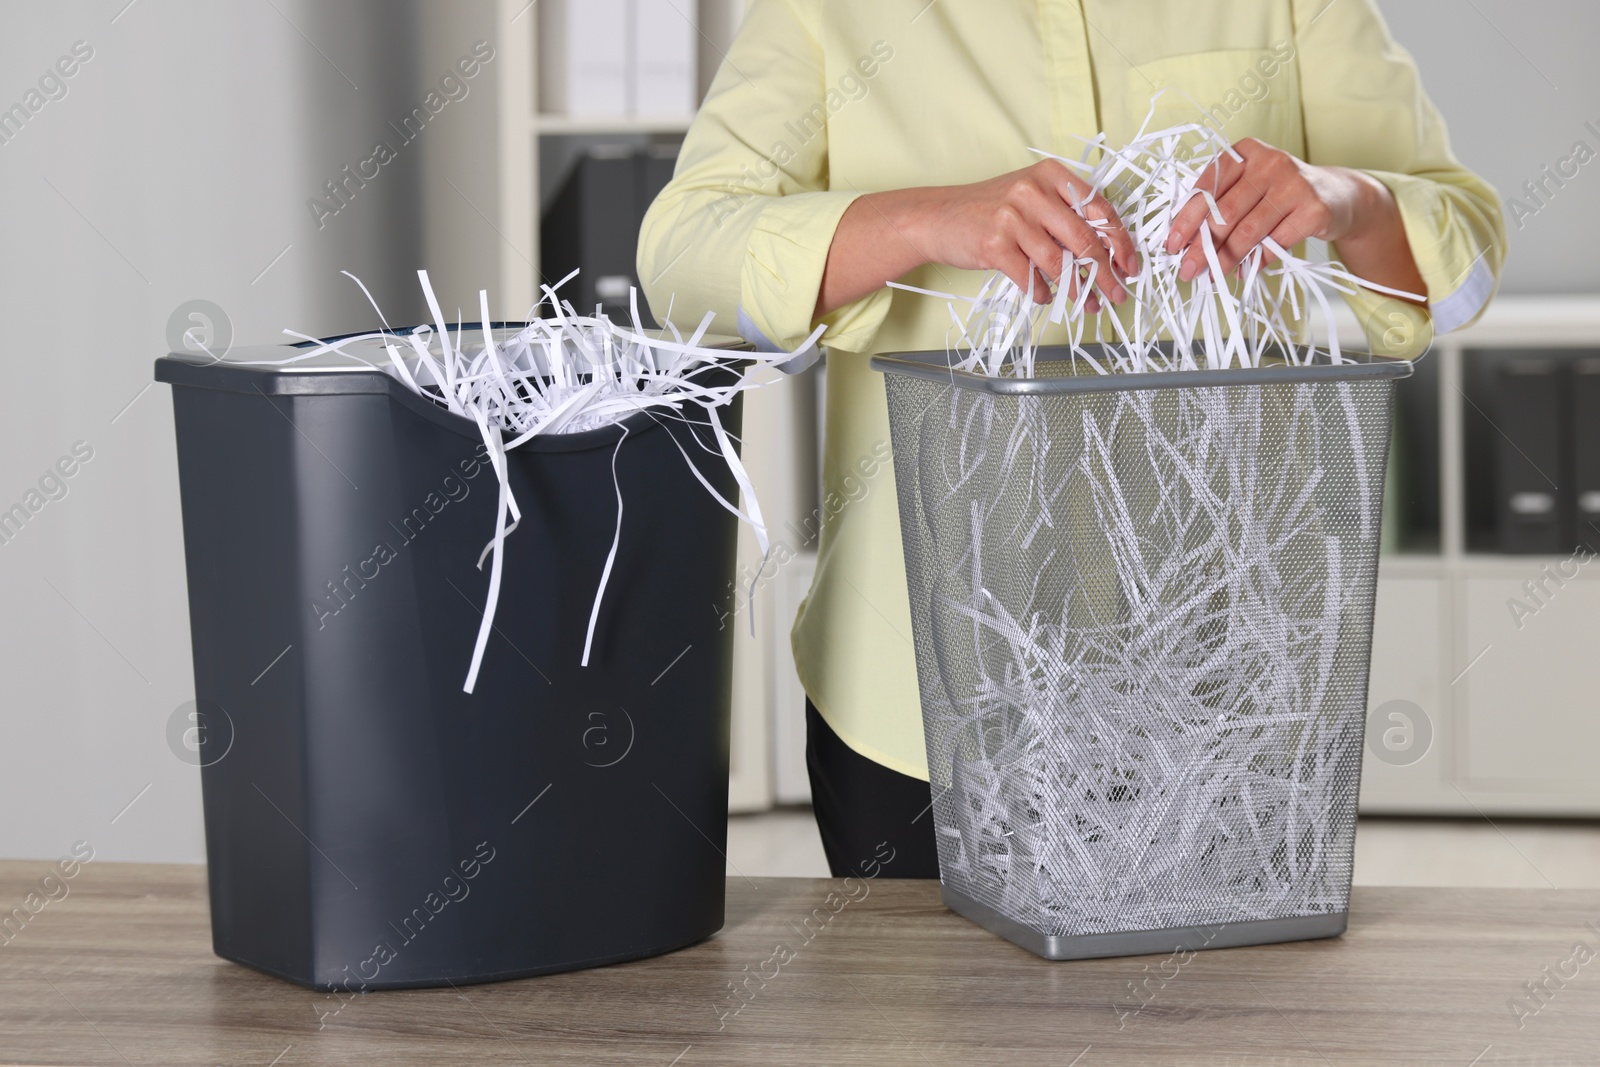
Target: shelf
603,124
1534,320
1525,565
1411,565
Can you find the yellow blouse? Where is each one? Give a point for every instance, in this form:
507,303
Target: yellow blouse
819,101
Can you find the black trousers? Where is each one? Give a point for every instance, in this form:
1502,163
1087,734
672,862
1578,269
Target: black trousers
865,811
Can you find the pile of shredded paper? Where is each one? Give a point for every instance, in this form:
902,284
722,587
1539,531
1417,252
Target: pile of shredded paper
1150,615
565,373
1212,323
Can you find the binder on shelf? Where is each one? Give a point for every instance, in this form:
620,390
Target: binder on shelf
663,56
585,68
1530,495
615,58
593,225
1585,422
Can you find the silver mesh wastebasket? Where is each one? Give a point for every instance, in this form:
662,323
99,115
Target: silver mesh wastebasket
1142,612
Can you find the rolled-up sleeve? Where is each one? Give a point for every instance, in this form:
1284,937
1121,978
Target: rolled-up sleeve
1364,107
744,227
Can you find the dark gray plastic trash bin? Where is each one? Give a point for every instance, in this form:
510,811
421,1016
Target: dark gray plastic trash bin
368,824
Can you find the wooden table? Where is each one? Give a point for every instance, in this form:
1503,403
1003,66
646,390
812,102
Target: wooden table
121,971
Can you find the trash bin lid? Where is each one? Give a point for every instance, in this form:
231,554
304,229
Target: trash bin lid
268,368
936,366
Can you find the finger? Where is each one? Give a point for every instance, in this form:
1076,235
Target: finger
1091,302
1217,179
1042,293
1071,197
1234,206
1041,288
1019,230
1075,283
1186,223
1248,232
1052,209
1291,231
1042,250
1080,239
1015,265
1113,234
1046,256
1018,266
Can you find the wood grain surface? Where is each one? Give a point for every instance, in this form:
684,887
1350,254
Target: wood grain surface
120,971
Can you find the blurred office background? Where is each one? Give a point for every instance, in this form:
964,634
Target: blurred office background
213,167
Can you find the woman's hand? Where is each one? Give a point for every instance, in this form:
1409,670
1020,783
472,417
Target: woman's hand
1026,217
1270,193
1004,224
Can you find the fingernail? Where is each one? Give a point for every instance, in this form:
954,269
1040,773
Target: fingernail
1118,294
1189,269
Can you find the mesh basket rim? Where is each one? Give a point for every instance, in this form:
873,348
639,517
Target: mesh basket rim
936,366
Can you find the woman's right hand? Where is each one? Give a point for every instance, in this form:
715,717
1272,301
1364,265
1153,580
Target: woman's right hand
1003,224
1024,217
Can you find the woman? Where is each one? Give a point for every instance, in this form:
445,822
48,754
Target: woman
845,144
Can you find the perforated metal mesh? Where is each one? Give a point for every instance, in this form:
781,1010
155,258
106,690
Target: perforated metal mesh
1142,624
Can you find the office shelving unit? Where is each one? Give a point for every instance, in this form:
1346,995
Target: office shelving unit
522,127
1514,710
577,125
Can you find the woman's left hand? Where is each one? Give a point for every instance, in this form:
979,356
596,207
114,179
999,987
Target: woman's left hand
1270,193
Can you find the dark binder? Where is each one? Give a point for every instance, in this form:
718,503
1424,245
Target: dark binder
1585,506
655,166
1530,486
593,226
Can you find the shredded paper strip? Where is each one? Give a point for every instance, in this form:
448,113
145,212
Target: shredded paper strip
565,373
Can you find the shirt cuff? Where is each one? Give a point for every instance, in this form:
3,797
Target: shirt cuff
800,361
1469,298
1459,277
1394,329
782,275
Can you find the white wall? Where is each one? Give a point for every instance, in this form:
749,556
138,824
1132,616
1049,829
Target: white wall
1516,82
473,211
178,166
